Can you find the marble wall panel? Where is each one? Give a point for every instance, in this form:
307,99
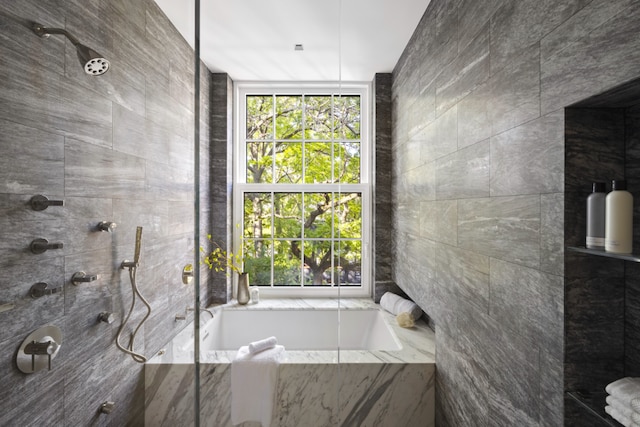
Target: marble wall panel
607,57
513,28
465,173
439,221
32,160
530,303
507,228
437,139
518,64
474,123
551,233
529,159
515,91
115,148
462,75
466,273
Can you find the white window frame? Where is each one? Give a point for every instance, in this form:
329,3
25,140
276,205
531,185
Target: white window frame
240,186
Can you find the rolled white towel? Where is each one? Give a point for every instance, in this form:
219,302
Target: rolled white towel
395,304
625,389
261,345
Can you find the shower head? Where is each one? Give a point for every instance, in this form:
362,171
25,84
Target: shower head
93,63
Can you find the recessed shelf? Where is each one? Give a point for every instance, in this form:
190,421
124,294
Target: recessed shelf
600,252
594,403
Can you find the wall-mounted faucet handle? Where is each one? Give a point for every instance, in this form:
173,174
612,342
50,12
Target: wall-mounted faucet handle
107,226
106,317
82,277
46,348
40,202
107,407
41,289
39,246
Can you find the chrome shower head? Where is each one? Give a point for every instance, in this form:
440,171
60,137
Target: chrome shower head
93,63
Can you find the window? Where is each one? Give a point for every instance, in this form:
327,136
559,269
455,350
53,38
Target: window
301,188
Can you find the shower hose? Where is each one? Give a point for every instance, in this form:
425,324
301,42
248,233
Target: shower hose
133,269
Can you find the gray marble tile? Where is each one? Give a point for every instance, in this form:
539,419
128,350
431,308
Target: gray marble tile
29,313
461,76
32,160
551,233
529,302
89,171
465,173
529,159
462,392
466,273
519,24
473,16
439,221
474,123
515,91
577,27
606,57
507,228
439,138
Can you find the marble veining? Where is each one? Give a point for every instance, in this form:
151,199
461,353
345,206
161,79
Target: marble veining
354,387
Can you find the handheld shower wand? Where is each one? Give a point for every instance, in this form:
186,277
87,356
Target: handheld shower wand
133,269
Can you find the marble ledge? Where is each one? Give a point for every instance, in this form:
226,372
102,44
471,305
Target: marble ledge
418,343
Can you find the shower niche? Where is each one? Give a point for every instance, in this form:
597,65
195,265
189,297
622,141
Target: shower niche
602,294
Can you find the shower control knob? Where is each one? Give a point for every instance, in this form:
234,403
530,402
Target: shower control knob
107,317
107,226
39,246
40,202
107,407
82,277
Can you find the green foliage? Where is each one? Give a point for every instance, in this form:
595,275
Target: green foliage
219,259
301,139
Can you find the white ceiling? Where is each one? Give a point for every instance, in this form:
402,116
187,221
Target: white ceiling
347,40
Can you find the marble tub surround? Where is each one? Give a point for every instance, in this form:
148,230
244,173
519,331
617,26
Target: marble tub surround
350,387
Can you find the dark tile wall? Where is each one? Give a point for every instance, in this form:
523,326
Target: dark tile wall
602,322
118,147
220,179
478,189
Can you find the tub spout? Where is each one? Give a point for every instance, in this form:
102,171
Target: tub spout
201,309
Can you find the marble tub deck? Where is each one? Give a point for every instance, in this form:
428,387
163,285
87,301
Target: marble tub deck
315,388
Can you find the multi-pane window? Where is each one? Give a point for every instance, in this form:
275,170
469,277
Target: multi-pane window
301,188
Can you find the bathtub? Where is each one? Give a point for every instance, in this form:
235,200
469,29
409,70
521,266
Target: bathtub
313,330
370,373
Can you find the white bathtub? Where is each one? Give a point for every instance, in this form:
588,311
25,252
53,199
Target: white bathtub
383,374
363,329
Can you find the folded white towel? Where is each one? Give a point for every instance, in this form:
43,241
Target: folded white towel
618,405
258,346
625,389
617,415
254,378
395,304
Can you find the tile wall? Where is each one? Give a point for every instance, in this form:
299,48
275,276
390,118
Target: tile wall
478,189
117,147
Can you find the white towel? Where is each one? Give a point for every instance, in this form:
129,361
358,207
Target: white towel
618,405
625,389
617,415
254,378
395,304
258,346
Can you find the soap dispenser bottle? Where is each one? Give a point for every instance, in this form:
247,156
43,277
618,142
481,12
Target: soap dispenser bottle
596,216
619,219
